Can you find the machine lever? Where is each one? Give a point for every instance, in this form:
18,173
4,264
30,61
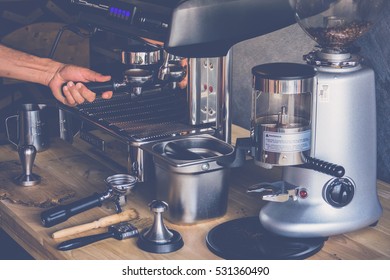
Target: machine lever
324,167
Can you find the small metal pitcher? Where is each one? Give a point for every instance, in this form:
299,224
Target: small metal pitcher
31,127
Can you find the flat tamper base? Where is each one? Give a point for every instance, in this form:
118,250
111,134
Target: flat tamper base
158,238
174,244
27,180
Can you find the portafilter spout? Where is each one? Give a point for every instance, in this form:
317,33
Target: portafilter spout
172,70
136,78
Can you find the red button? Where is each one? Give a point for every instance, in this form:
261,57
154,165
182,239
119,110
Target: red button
303,193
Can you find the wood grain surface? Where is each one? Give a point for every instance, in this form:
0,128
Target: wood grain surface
50,192
84,175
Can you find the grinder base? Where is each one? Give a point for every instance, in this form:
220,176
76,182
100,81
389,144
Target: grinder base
247,239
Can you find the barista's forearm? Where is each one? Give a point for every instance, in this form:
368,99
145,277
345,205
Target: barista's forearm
22,66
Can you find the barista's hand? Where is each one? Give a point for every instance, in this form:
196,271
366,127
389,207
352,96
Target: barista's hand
75,93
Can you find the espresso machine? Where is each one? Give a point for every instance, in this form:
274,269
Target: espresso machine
325,143
171,66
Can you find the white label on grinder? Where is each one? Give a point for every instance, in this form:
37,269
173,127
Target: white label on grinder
277,142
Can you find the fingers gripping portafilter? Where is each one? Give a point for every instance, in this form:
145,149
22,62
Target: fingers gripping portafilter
118,186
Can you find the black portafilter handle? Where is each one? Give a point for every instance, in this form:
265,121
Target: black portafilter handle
324,167
119,231
99,87
59,214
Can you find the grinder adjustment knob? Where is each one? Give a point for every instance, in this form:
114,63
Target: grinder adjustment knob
339,192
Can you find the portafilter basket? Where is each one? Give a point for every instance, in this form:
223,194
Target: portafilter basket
121,184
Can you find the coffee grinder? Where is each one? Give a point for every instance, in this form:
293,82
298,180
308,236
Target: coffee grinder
343,130
316,121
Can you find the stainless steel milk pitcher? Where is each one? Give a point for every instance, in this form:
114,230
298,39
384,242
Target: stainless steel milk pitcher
31,127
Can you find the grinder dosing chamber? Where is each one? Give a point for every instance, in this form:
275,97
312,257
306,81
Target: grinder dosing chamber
281,113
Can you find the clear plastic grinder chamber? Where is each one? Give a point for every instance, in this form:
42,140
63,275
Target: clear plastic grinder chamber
336,24
281,113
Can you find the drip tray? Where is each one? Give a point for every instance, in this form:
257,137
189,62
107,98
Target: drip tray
247,239
152,116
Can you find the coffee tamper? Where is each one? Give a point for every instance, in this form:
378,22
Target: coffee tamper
27,156
158,239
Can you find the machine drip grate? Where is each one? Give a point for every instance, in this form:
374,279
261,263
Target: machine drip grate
152,116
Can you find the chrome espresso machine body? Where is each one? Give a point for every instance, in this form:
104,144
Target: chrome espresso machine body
171,69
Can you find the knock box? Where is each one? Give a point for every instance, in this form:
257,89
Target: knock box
191,175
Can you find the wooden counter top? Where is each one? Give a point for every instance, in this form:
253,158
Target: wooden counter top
63,164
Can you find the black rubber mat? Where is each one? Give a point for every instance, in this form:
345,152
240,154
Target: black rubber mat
247,239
